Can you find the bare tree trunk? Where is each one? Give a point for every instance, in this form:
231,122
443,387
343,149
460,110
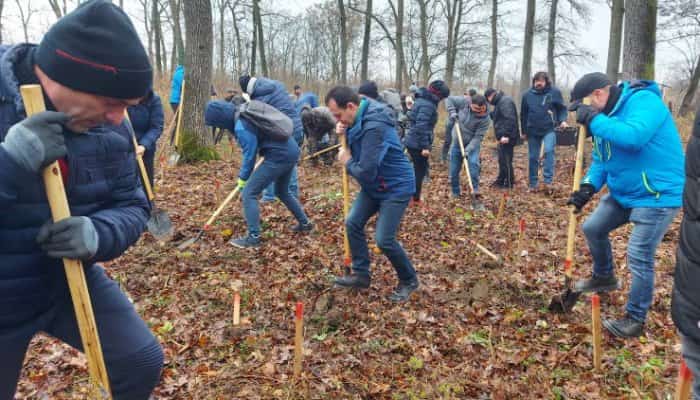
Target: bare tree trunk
222,11
253,48
453,25
640,39
2,4
527,46
425,59
687,102
343,43
257,21
365,41
551,40
157,36
163,49
615,43
147,26
239,47
401,72
494,42
198,68
25,16
56,7
177,32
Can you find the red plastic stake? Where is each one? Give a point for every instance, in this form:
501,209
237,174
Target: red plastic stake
298,338
595,327
685,379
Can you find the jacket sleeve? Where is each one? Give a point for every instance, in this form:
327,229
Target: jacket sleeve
121,222
523,114
11,177
249,145
596,174
560,109
155,110
366,169
452,106
510,114
645,116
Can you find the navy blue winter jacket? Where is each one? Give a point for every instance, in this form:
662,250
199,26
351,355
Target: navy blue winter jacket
147,120
535,107
307,98
421,121
378,162
274,93
102,183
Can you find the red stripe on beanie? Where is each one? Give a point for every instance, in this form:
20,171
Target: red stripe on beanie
104,67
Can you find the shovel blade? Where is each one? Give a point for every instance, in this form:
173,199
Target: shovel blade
160,225
477,205
173,159
189,242
564,302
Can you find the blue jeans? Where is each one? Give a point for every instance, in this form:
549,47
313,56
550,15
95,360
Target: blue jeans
691,354
278,174
448,138
390,213
534,144
132,354
456,166
650,225
269,193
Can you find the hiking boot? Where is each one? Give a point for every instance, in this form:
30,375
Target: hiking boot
403,291
597,284
625,327
300,228
353,281
496,184
246,242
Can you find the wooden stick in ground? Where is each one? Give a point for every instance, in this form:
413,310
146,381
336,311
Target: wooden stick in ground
684,384
502,205
318,153
487,252
75,274
178,128
236,308
298,338
521,232
346,208
595,327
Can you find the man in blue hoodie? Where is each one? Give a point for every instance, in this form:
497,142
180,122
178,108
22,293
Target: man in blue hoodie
86,91
275,94
637,153
176,87
541,111
280,156
376,160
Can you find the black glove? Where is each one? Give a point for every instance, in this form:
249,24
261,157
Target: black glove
74,237
582,196
37,141
584,113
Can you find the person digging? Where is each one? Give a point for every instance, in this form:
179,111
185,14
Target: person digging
637,153
376,160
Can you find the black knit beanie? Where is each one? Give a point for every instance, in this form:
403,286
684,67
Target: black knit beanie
95,49
369,89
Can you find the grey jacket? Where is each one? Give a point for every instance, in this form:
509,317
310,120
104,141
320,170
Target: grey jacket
455,104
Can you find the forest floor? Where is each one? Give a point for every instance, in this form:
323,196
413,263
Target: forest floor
473,331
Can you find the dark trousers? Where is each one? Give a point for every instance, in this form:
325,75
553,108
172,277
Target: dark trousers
132,354
506,174
420,167
148,161
448,139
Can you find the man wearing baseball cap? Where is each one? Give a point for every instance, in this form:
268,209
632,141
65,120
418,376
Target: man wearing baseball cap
637,153
91,66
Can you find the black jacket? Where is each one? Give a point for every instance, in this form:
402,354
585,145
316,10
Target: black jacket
685,307
505,118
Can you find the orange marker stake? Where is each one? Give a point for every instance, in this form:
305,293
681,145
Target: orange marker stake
521,231
236,308
217,186
595,327
298,338
685,379
502,205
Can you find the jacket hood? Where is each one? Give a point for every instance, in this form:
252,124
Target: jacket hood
424,93
629,88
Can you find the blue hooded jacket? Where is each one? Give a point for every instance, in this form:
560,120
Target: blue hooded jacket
378,162
275,94
307,98
176,85
421,121
637,150
535,117
147,120
102,184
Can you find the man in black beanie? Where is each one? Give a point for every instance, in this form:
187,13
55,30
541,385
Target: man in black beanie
369,89
91,66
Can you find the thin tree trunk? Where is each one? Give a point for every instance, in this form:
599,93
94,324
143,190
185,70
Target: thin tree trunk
239,46
261,39
155,26
494,42
148,27
253,48
222,10
56,8
615,43
401,73
2,4
177,33
687,102
365,41
198,70
425,60
640,39
551,40
343,43
527,46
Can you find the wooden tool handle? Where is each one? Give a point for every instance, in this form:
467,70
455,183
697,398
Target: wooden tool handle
139,161
227,200
465,161
178,128
346,204
597,336
298,338
75,274
683,386
318,153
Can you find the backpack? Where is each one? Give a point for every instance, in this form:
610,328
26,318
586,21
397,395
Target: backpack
269,121
392,98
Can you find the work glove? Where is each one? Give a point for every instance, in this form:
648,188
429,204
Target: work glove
584,113
37,141
73,237
241,184
453,117
582,196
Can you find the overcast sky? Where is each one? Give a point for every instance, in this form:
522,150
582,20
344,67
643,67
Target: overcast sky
594,36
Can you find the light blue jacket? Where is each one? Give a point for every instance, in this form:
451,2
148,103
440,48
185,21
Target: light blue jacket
176,85
637,150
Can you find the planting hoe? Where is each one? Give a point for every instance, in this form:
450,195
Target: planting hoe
476,203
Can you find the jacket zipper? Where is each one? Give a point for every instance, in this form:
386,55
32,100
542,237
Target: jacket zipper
648,187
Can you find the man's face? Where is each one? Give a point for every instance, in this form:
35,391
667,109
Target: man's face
297,92
344,115
490,97
84,109
540,84
599,98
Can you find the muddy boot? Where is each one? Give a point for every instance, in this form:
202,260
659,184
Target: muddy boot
626,327
303,228
403,291
597,284
354,281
